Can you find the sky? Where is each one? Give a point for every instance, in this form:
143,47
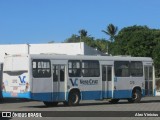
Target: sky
42,21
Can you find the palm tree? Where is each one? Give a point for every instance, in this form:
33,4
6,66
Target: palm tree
83,33
111,30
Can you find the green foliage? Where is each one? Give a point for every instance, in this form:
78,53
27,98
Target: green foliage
134,42
100,44
83,33
73,39
156,56
139,41
111,30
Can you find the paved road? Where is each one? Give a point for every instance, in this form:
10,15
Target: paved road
149,104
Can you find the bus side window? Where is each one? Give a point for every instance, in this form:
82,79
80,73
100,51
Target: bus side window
136,69
40,73
109,73
121,68
104,73
35,73
62,70
41,68
74,68
61,75
34,69
90,68
78,72
55,73
46,73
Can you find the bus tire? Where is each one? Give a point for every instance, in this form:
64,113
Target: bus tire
114,101
136,97
50,104
74,98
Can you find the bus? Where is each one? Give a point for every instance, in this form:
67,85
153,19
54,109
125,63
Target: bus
70,79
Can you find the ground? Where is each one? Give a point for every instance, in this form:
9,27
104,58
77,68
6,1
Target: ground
148,104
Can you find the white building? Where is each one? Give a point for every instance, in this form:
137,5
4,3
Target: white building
50,48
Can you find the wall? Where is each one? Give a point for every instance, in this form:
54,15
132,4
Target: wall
50,48
12,49
57,48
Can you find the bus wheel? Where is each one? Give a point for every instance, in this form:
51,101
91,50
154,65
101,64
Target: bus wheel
74,98
50,104
114,101
136,97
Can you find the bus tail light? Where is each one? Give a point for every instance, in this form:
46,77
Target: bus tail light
27,86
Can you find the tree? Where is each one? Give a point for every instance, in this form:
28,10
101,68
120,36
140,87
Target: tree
136,41
77,38
83,33
51,41
82,38
111,30
156,56
101,45
74,38
139,41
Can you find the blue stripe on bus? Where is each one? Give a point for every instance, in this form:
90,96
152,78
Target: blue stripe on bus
42,96
107,94
122,94
18,95
85,95
48,96
91,95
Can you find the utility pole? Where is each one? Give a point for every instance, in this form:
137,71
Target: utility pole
28,48
80,41
107,49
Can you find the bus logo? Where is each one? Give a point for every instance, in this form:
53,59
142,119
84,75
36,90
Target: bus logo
22,79
74,83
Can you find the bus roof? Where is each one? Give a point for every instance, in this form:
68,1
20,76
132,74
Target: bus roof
84,57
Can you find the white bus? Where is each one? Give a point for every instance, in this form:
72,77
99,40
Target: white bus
69,79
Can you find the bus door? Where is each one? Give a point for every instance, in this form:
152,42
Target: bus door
107,81
58,93
148,70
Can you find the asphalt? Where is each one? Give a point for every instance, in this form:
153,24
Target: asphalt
87,110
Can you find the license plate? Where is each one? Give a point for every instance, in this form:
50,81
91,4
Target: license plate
15,88
14,94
